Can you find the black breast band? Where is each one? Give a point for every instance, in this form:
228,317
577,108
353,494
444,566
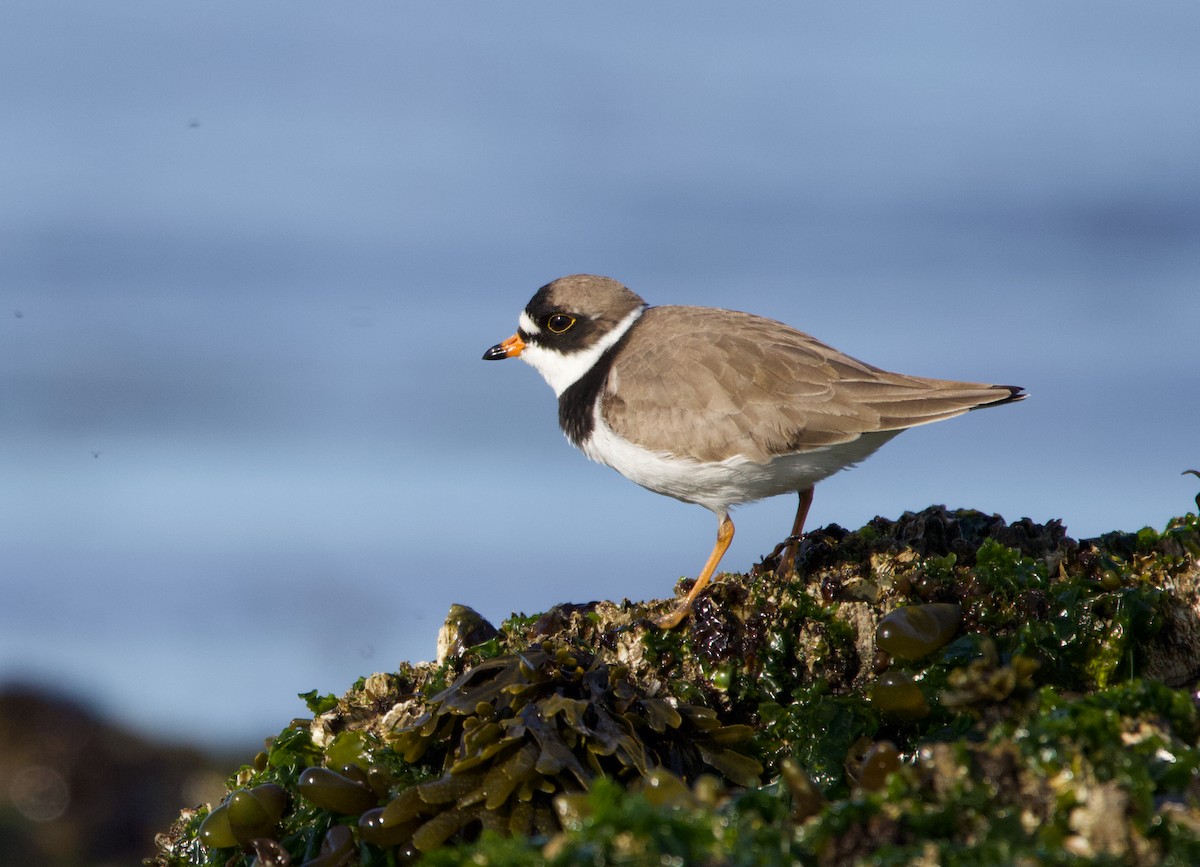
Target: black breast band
576,405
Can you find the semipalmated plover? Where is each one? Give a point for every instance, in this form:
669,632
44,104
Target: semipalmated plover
713,406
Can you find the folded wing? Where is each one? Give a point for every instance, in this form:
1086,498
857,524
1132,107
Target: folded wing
732,379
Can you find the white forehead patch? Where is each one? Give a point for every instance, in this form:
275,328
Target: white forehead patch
562,369
524,323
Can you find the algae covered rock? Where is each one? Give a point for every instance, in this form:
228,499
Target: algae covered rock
943,688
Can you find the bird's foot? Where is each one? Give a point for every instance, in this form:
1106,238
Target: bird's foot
673,617
787,560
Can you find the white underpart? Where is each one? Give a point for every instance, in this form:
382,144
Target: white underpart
561,370
719,486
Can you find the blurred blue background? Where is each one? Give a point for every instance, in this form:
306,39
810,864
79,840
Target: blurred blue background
251,254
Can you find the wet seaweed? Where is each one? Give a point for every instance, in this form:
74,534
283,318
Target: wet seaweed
942,688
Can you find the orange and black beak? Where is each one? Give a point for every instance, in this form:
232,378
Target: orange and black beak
510,348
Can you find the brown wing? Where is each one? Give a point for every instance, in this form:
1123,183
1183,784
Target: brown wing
734,383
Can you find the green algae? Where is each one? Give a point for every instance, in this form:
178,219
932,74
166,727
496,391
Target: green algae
818,731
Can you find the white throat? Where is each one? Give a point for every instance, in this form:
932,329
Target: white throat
562,370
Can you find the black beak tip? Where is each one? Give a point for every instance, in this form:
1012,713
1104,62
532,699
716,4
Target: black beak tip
496,353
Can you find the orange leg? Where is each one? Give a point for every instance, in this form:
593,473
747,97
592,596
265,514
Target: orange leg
787,561
724,537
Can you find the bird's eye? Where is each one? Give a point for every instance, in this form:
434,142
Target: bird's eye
558,323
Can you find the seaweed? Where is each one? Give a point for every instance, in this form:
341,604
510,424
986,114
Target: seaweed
942,688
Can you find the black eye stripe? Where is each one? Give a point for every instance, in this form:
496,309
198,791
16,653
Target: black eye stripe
568,326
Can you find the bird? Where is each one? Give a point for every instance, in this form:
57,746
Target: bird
717,407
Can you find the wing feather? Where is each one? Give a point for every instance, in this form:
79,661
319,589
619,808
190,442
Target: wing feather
731,383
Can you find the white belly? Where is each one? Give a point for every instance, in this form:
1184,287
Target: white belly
718,486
